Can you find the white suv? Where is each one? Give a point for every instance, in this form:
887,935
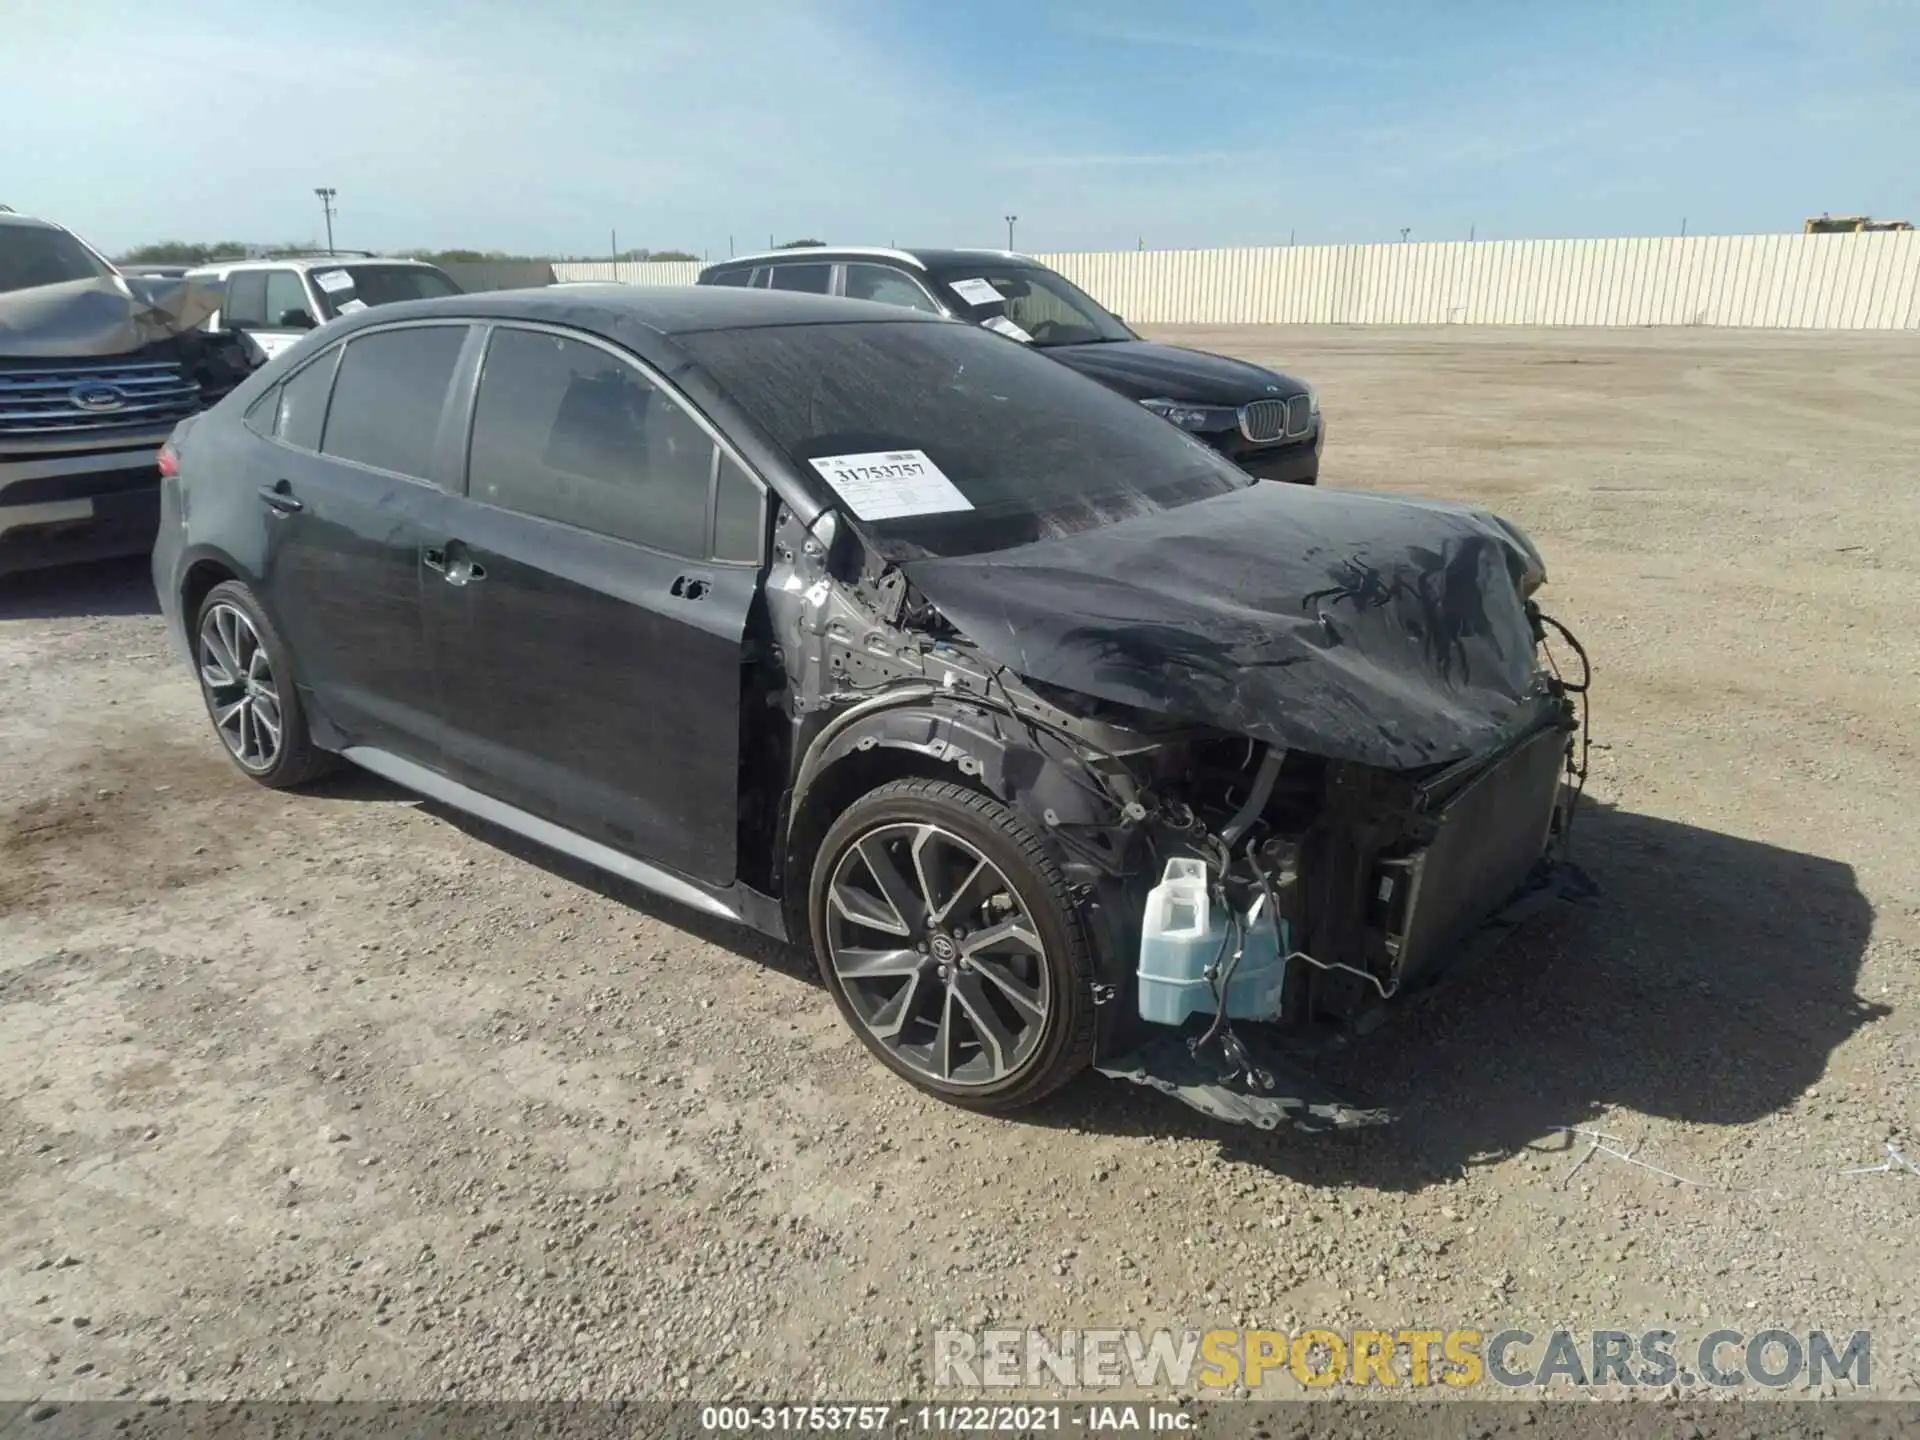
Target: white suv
274,302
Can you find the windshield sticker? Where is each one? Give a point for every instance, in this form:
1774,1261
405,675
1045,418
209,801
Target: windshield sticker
348,307
978,292
891,484
333,281
1000,325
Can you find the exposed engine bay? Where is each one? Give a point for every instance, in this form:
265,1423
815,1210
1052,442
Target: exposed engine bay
1289,796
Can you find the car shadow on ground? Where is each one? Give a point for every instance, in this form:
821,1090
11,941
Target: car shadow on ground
353,783
104,587
1708,983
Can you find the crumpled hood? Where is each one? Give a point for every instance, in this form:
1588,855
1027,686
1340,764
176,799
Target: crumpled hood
110,315
1371,628
1143,370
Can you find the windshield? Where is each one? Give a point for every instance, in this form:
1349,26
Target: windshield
1033,450
378,285
1049,307
33,255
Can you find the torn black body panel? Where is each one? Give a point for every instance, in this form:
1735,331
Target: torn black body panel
1385,630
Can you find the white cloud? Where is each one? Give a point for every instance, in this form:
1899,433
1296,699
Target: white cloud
491,127
1127,162
1216,37
500,125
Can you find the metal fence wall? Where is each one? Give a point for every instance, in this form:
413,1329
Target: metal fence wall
1811,282
473,276
629,272
1824,282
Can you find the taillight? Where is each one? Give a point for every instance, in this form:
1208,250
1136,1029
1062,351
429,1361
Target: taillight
169,461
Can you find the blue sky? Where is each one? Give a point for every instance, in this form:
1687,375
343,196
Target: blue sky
1102,125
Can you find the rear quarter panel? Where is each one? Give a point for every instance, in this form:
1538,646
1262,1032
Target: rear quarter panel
210,517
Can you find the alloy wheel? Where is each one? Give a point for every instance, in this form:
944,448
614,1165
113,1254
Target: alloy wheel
937,955
242,694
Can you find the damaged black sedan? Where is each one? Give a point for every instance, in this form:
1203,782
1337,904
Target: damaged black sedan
1058,740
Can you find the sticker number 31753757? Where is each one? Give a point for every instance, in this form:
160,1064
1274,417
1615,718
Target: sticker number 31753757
891,484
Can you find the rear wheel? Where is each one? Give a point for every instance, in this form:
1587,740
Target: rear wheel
247,682
949,940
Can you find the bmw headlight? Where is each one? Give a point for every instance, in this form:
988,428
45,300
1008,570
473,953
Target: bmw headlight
1192,417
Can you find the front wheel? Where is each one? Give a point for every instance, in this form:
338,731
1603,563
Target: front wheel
949,940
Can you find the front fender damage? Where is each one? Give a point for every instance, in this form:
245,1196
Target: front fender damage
1374,857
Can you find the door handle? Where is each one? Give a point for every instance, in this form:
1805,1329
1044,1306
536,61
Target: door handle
452,564
281,499
691,587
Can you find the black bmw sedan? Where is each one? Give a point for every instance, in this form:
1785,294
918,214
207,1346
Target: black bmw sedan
867,629
1267,423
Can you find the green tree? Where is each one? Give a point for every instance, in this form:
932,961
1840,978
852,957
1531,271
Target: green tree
798,244
468,257
672,255
183,252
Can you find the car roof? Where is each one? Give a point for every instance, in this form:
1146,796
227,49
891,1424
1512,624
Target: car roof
624,313
945,259
918,258
27,222
307,262
819,252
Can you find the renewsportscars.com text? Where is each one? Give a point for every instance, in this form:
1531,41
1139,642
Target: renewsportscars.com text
1460,1358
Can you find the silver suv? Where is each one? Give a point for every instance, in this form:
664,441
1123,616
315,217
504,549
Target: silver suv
95,370
272,303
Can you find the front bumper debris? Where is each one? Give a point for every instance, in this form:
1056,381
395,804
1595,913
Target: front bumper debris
1268,1094
1264,1086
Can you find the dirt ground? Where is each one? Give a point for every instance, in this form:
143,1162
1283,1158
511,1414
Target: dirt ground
329,1095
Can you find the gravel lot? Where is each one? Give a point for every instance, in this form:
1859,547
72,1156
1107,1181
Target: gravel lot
333,1095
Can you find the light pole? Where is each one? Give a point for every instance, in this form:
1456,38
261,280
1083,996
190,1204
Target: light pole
1010,220
326,194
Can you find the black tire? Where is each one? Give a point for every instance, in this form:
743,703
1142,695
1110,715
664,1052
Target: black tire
1065,1038
294,759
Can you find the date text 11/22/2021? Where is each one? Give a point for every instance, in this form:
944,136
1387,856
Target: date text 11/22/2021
944,1419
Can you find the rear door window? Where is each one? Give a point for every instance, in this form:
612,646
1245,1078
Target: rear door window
260,416
286,299
567,431
302,411
246,299
739,515
810,279
392,386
